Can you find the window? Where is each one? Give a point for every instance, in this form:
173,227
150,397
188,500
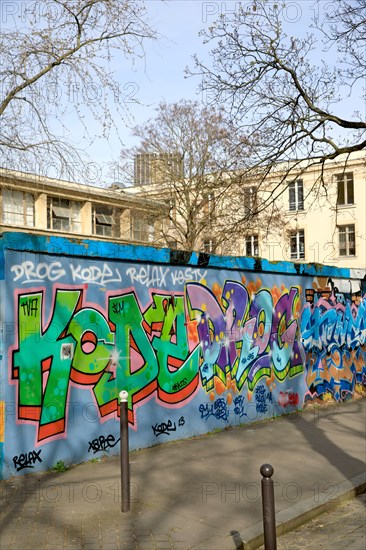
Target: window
296,195
297,245
251,245
17,208
106,221
345,188
64,215
209,246
142,229
208,204
172,216
250,200
347,243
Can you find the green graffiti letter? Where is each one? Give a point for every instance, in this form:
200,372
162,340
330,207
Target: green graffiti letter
177,369
137,367
39,352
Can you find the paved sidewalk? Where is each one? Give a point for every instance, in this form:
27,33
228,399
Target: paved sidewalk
343,528
198,494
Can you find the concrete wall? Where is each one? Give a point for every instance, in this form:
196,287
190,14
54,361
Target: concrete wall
199,343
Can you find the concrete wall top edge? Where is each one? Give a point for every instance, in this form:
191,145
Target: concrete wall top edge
98,249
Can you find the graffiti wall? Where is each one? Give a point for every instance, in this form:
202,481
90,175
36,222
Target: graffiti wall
333,330
197,346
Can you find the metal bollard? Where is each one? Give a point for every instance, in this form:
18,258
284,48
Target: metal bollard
268,507
124,452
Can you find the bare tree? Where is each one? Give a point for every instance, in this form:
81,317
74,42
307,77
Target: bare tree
270,87
188,160
345,28
56,63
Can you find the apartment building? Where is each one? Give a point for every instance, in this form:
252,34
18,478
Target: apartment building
317,213
322,215
49,206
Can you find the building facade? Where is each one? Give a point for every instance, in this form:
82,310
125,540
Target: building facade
314,213
49,206
322,214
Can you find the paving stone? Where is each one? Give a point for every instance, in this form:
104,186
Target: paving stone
339,529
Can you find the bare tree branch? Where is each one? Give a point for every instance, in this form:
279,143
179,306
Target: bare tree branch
271,90
191,160
64,50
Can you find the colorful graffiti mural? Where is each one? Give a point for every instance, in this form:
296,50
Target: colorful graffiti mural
194,348
159,350
142,352
250,336
333,330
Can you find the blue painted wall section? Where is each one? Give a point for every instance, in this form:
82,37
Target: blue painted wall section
198,341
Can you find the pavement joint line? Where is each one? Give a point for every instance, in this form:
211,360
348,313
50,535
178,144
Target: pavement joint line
291,518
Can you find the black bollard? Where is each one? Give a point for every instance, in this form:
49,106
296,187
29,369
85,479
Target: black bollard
124,452
268,507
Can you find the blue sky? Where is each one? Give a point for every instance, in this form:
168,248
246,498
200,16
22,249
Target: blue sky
160,75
